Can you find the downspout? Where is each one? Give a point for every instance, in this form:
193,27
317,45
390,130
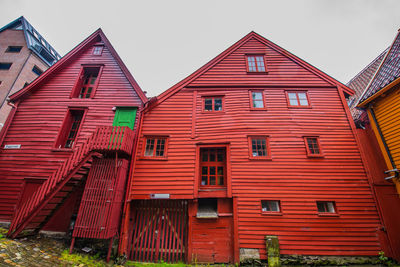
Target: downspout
123,241
8,121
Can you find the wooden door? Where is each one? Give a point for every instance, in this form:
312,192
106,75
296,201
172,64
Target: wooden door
159,231
125,117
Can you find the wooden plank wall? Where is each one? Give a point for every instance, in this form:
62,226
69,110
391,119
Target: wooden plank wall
42,114
291,177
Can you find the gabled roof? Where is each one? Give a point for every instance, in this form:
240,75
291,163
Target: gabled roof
80,47
388,71
177,87
35,42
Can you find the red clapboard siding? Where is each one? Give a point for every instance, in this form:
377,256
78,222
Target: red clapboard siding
41,112
291,177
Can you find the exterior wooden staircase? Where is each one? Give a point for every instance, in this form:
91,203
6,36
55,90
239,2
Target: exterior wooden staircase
36,212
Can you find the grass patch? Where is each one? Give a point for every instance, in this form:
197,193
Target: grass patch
86,260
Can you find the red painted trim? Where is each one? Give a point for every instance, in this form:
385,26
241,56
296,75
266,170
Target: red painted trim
263,99
124,228
309,154
7,123
268,147
297,97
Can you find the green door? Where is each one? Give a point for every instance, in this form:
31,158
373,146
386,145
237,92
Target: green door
125,117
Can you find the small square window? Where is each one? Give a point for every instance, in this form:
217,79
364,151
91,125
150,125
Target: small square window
98,50
155,147
213,103
297,99
257,100
5,66
326,206
259,147
14,49
36,70
313,146
255,63
270,206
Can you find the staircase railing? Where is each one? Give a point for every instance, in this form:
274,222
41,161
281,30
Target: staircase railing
104,138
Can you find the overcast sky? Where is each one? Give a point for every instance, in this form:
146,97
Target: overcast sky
162,42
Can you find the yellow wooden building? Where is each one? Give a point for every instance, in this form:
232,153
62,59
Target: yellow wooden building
381,100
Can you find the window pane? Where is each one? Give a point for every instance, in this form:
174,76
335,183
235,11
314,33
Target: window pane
160,147
204,156
270,205
257,95
203,180
220,180
313,145
212,155
260,64
217,104
212,170
303,99
330,207
212,180
220,170
149,147
251,64
208,104
259,147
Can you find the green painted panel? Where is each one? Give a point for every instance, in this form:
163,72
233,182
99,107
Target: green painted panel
125,117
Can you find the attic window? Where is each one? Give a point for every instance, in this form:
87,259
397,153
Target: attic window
87,82
98,50
207,208
14,49
255,63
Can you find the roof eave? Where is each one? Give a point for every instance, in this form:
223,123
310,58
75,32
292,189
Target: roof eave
364,103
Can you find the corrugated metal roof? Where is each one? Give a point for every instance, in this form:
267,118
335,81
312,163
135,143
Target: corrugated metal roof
387,72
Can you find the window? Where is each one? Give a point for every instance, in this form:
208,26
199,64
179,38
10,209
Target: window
212,103
255,63
259,147
87,83
5,66
313,146
326,206
297,99
155,147
212,167
69,130
270,206
36,70
257,100
14,49
98,50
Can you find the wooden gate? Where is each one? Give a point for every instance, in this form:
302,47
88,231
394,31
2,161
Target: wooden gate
159,231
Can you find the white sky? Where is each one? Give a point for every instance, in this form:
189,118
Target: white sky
162,42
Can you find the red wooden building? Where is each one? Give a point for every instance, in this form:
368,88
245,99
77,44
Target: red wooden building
65,149
255,143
